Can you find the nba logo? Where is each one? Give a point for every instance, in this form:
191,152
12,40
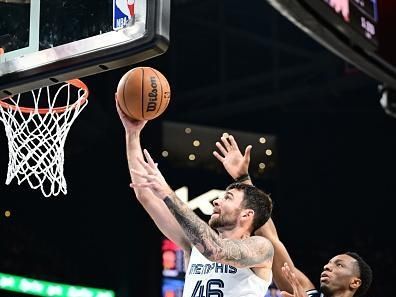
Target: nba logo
123,13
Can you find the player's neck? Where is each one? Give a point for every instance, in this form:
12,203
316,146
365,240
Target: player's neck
236,233
341,294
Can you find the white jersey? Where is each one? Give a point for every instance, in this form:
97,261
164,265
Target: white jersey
210,279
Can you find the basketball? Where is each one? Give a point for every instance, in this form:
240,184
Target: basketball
143,93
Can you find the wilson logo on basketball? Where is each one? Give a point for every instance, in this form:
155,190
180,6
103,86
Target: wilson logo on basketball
143,93
152,104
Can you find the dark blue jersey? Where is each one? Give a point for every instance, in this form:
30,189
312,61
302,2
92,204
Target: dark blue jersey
314,293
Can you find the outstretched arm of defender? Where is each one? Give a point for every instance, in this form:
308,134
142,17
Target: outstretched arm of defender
237,165
282,256
230,156
291,277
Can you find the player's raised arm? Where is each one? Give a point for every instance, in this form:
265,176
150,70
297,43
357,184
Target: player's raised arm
281,257
156,208
237,165
291,276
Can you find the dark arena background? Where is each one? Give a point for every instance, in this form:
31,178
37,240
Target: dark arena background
328,158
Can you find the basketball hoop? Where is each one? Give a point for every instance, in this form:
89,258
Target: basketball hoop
37,133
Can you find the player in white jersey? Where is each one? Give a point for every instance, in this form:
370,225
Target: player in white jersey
345,275
208,278
223,258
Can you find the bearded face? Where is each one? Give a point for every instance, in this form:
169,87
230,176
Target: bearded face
226,212
224,220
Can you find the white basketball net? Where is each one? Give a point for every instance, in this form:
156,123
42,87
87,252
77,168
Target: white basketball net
36,139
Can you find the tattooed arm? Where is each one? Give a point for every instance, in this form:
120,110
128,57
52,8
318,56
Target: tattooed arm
254,251
250,252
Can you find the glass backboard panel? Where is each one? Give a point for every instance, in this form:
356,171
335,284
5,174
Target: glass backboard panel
46,41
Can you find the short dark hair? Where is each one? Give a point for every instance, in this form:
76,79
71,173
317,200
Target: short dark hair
366,274
255,199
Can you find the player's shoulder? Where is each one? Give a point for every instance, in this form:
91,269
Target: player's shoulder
314,293
260,240
263,244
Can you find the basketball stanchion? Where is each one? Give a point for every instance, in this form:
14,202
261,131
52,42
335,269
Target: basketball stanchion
37,124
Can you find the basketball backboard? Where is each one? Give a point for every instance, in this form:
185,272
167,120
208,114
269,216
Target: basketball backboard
46,41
